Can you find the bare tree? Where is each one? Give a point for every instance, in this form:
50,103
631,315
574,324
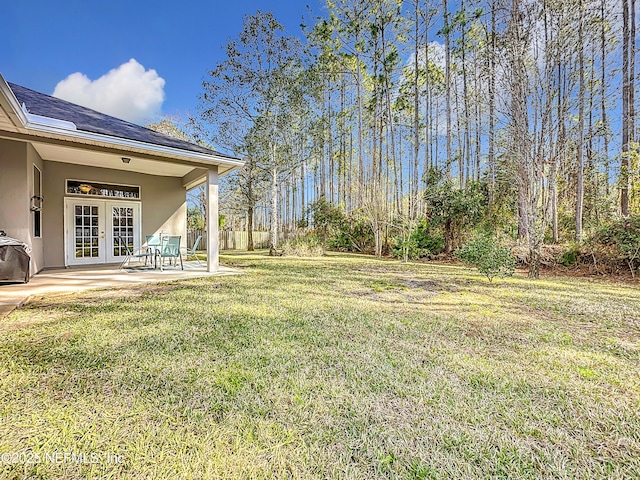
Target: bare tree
626,98
580,140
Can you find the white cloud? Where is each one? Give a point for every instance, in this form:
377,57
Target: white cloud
128,92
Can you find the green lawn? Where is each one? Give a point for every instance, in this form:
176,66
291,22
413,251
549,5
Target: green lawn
338,367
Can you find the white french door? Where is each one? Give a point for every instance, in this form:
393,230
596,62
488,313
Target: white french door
101,231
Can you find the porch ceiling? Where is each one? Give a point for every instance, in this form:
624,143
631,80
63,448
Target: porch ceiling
79,156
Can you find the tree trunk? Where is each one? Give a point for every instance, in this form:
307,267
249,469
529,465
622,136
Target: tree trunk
428,161
559,153
250,229
603,87
391,143
553,193
273,231
448,236
361,180
413,209
447,81
592,179
519,126
477,121
580,146
534,261
523,217
460,138
377,235
632,84
331,173
325,141
303,206
624,161
548,129
465,100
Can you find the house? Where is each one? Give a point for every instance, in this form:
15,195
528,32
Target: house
79,186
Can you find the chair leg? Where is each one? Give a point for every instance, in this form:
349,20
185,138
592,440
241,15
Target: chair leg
181,264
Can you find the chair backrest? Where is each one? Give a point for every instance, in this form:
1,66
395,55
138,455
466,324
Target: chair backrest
195,245
153,240
171,246
122,243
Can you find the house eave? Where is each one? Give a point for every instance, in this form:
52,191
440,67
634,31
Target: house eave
11,104
126,144
44,127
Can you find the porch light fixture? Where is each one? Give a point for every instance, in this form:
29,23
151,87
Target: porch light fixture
126,160
85,187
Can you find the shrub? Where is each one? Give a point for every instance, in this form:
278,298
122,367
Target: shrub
303,246
570,256
339,230
326,217
423,242
428,238
454,210
354,235
491,259
623,237
408,249
549,255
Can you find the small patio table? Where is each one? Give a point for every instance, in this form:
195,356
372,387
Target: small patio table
154,243
163,245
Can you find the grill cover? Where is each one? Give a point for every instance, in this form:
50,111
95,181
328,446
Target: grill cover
14,260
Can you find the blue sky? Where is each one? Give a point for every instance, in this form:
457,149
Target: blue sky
44,42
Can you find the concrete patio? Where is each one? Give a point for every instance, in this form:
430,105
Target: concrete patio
69,280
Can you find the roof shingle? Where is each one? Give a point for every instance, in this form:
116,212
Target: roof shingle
89,120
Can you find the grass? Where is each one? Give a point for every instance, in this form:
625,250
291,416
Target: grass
337,367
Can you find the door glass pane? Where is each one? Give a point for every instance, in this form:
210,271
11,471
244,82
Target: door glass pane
122,217
86,231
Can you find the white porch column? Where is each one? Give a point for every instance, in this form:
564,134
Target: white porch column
211,192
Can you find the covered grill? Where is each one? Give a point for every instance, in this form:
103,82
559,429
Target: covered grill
14,260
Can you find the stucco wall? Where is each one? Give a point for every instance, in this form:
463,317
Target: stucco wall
37,243
16,189
14,199
163,202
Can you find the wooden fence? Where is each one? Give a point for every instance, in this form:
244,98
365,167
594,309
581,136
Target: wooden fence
236,240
